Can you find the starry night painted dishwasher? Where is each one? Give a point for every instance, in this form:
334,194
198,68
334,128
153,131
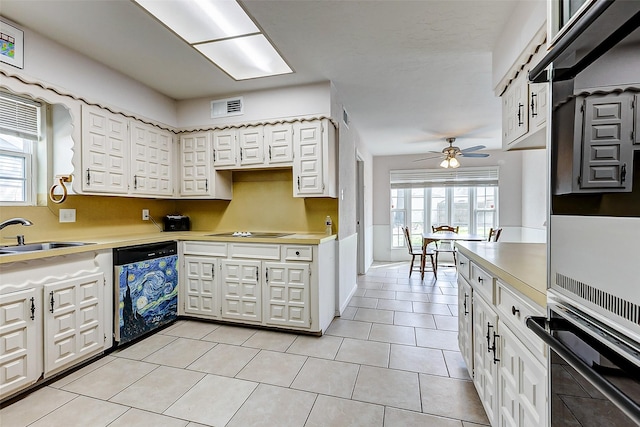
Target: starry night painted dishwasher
146,291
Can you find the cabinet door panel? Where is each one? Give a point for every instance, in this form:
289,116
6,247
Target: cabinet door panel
465,324
607,152
279,143
308,158
73,327
151,151
201,289
251,146
19,340
485,371
104,151
240,288
224,146
287,298
195,164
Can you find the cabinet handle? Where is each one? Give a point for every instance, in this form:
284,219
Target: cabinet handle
494,348
297,253
33,308
269,152
257,277
520,122
461,262
52,302
206,184
465,304
214,154
489,337
623,173
240,153
514,310
88,176
298,182
267,274
479,279
213,271
135,182
534,110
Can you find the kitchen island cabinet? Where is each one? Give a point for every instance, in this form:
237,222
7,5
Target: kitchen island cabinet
499,286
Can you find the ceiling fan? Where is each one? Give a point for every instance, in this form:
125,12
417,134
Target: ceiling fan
451,152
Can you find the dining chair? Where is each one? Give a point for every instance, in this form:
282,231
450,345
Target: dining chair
415,251
445,245
494,234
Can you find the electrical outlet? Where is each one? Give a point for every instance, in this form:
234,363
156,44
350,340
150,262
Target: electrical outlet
67,215
145,214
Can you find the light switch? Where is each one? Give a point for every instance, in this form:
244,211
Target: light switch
67,215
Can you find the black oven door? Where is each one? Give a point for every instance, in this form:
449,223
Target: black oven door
595,375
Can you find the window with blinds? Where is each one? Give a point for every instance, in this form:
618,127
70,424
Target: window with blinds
20,130
423,198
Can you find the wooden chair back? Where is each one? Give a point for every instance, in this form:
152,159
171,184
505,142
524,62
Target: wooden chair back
443,228
494,234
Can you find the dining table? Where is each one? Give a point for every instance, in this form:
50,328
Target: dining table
428,238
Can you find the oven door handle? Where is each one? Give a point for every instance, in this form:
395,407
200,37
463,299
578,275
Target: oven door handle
628,406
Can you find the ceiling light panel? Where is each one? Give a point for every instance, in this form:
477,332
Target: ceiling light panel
245,57
199,21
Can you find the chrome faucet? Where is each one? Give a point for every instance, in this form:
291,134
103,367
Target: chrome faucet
15,221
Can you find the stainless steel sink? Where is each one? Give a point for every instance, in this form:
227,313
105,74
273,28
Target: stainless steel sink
32,247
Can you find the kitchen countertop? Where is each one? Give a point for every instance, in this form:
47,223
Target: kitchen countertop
110,242
523,266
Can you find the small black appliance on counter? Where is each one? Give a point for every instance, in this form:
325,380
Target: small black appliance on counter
176,223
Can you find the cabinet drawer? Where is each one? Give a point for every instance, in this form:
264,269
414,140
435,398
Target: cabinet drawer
254,251
482,282
514,310
298,253
464,266
217,249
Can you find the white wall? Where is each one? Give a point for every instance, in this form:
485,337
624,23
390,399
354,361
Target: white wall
282,103
534,195
510,200
72,73
528,17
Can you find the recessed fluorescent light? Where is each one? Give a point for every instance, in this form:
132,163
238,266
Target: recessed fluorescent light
223,32
245,57
199,21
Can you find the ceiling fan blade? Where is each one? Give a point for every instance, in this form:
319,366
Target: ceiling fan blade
427,158
463,154
474,148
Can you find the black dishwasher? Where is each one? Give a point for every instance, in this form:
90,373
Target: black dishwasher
146,289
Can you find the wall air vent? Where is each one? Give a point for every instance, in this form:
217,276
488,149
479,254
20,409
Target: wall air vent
227,107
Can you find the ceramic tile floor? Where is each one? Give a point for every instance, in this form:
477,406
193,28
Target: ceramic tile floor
391,360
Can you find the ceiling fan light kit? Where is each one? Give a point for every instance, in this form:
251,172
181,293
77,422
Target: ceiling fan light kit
451,152
450,162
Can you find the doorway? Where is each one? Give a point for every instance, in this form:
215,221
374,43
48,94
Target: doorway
360,225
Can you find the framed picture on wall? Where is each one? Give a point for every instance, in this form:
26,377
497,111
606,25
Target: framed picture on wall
11,45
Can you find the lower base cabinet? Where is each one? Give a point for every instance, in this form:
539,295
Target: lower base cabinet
49,326
281,286
506,362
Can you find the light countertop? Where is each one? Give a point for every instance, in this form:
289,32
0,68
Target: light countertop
523,266
110,242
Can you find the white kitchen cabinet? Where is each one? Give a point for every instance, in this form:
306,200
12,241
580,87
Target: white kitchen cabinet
241,290
53,316
202,293
20,339
485,370
105,151
251,145
290,286
278,141
225,148
523,383
198,179
508,366
151,160
465,323
287,294
515,113
314,163
73,327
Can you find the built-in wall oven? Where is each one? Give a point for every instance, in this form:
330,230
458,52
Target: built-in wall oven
593,322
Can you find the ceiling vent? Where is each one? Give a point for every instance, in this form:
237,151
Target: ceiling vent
227,107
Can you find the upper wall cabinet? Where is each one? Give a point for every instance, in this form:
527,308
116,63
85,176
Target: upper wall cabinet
124,157
525,109
314,159
278,142
252,147
198,178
